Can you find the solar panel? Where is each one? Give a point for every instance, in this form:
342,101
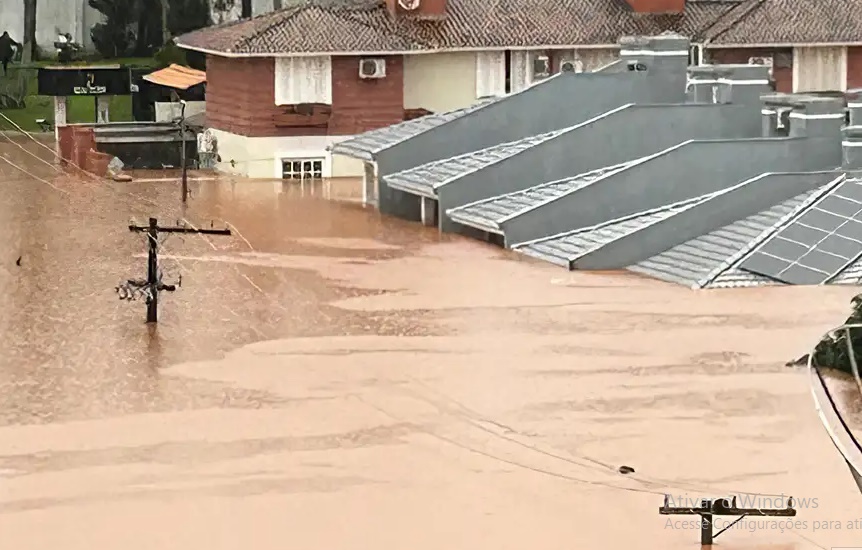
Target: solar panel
818,244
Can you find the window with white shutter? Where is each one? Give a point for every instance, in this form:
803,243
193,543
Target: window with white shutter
303,80
819,69
490,74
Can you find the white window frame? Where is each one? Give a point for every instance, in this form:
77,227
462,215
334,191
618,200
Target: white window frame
490,73
301,80
303,156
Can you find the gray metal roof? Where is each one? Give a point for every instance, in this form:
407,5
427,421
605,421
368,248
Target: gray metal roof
710,260
850,276
367,144
425,179
819,244
487,214
566,248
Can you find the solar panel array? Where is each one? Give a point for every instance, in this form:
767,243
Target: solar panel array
818,244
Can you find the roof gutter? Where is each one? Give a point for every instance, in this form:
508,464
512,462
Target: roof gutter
709,44
397,52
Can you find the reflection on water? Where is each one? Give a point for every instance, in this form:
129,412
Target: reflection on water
70,349
329,378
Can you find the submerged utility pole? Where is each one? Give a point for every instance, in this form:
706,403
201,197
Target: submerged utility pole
185,184
152,285
709,508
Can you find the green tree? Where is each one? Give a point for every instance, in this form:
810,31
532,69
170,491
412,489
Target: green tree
832,350
29,39
187,15
114,37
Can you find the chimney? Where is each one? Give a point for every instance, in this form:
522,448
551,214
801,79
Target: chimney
417,9
852,146
816,117
657,6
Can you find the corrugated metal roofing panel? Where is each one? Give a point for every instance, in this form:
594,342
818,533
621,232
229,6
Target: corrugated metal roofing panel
818,245
692,262
365,145
568,247
738,278
177,76
425,179
489,213
850,276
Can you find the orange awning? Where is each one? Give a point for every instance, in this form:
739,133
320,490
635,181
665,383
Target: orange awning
176,76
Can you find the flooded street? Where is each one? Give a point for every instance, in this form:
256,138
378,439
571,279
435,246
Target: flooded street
329,378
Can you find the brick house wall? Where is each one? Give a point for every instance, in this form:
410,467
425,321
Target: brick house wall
241,98
854,67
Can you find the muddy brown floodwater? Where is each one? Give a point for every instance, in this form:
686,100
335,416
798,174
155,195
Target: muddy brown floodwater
335,379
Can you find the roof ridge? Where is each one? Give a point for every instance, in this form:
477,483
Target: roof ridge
278,18
393,31
745,9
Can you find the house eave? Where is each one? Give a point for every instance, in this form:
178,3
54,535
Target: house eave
763,45
234,55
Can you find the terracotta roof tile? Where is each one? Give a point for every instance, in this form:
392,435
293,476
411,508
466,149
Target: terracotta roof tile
328,26
794,22
177,76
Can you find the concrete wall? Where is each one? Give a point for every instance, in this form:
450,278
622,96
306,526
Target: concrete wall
52,17
260,157
738,202
684,172
612,139
440,82
564,100
167,111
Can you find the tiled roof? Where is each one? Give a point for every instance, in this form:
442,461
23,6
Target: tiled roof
365,145
425,179
489,213
566,248
333,26
177,76
790,22
710,260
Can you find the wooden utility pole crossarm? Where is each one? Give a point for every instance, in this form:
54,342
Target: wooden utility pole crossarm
721,507
153,284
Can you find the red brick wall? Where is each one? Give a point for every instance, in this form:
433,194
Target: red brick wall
854,67
782,71
241,97
358,104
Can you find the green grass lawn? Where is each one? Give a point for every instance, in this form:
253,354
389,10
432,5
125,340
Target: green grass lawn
78,109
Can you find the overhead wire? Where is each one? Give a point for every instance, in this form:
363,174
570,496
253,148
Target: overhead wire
593,463
99,179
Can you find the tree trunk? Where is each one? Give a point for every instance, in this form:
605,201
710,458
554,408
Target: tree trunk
29,54
166,33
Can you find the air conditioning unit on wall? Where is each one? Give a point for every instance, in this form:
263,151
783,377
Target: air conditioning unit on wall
766,61
372,68
541,66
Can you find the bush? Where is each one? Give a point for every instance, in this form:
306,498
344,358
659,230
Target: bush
170,53
831,351
114,37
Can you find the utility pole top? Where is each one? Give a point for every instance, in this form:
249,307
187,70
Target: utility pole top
721,507
153,284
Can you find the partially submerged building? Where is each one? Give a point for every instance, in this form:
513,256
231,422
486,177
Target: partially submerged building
714,182
649,71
